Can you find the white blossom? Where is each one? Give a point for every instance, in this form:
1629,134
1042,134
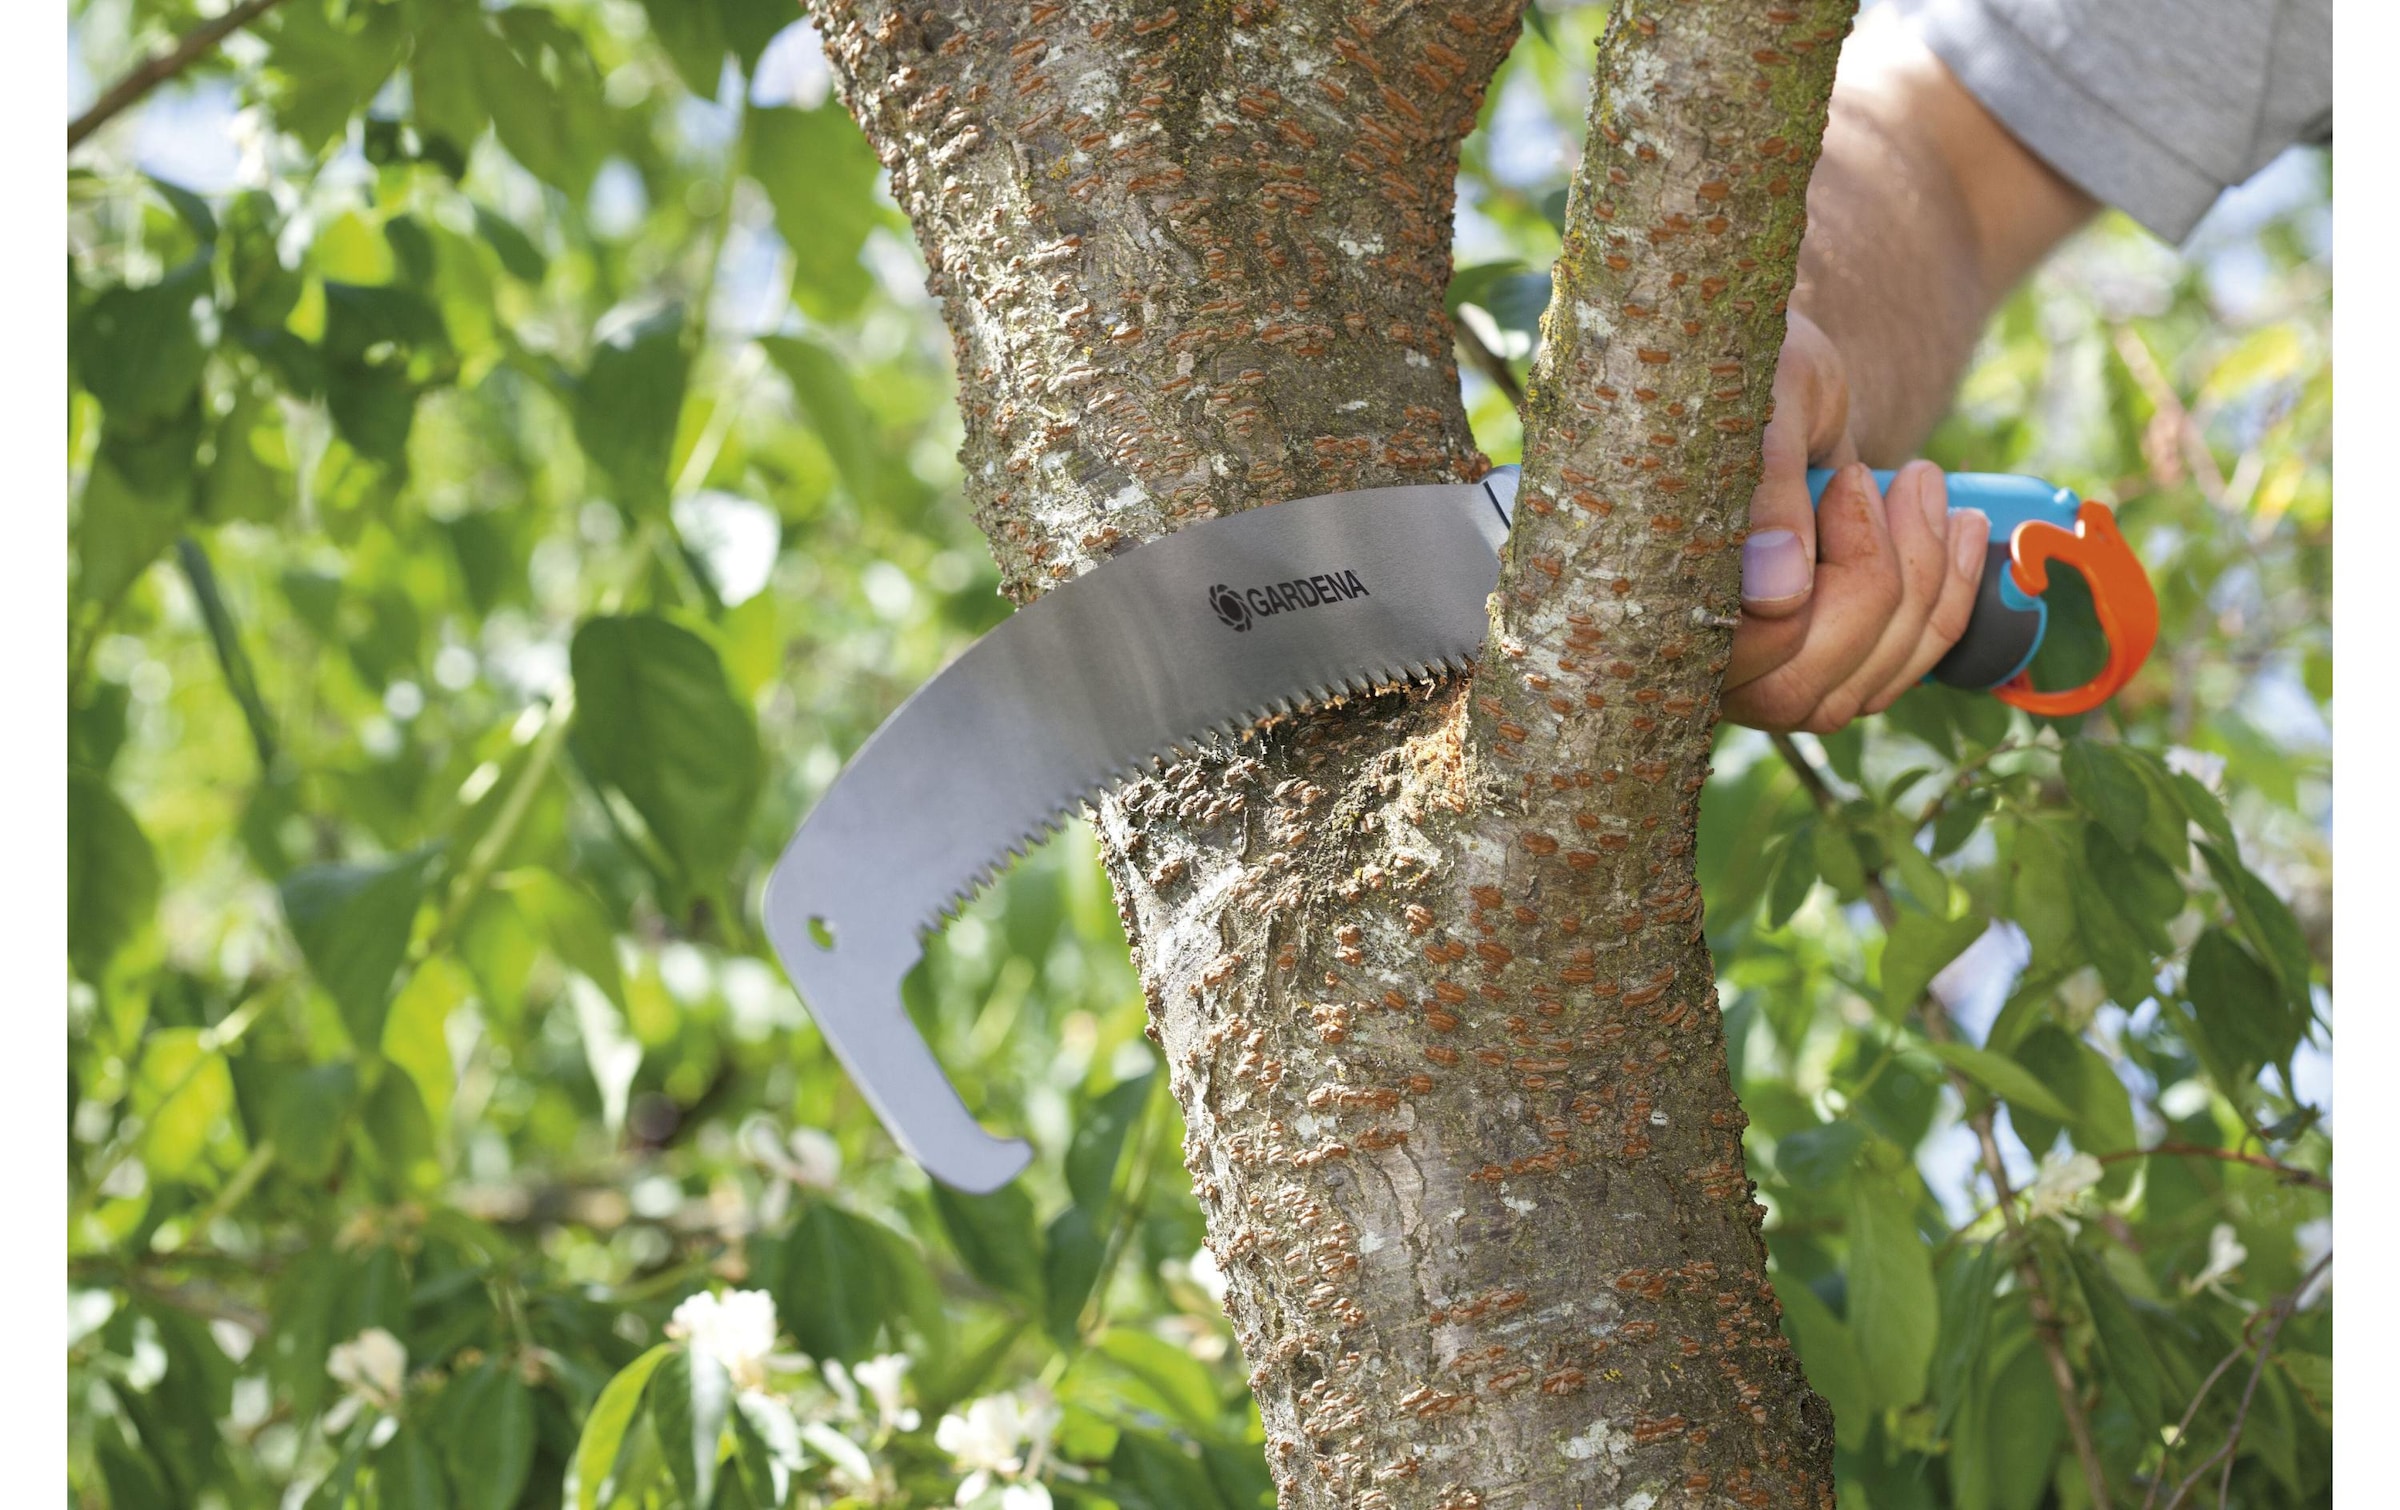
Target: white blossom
880,1377
2061,1184
2225,1254
736,1329
372,1369
999,1441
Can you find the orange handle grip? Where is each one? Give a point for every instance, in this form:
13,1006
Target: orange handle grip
2121,596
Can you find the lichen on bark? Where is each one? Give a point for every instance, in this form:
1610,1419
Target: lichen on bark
1427,969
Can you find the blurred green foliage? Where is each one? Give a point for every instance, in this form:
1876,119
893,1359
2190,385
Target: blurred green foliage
506,494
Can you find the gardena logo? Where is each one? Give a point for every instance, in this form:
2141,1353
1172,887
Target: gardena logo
1229,607
1236,607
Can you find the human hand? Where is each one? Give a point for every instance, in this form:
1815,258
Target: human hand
1846,605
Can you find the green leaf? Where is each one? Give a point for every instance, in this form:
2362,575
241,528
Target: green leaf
1149,1472
1178,1384
2266,922
1072,1252
656,720
183,1093
445,76
112,876
2146,894
1918,949
1894,1312
138,349
2005,1438
383,346
2240,1007
1829,1356
994,1236
1817,1158
1966,1312
1099,1142
691,35
2125,965
689,1402
2106,784
408,1474
1838,862
309,1115
353,924
1795,876
821,385
545,99
819,174
2132,1363
840,1280
750,25
416,1033
487,1435
401,1136
576,926
519,257
1921,879
604,1429
2202,807
2003,1077
325,66
243,483
629,402
133,1483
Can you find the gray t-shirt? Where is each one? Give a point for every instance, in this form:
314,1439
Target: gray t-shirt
2154,106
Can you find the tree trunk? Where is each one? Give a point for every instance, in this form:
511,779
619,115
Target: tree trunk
1427,968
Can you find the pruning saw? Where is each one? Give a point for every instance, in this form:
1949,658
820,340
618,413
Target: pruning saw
1201,634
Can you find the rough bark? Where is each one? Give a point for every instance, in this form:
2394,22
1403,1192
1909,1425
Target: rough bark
1427,969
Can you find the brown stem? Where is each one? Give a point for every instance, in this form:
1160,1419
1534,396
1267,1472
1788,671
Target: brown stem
1879,895
148,75
2291,1173
2280,1313
1935,1015
1491,364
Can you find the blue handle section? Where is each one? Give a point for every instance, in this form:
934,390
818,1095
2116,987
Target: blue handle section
2005,498
2009,501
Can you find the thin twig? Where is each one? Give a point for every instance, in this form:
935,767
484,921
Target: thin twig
2290,1173
1490,363
1879,896
1958,784
2276,1317
146,76
1936,1017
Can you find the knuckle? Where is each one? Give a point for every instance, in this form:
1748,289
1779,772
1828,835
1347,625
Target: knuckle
1833,713
1951,614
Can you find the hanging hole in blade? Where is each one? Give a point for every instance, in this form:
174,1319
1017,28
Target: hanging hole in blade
820,932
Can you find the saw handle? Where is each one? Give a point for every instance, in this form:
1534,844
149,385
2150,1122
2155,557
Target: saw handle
2033,524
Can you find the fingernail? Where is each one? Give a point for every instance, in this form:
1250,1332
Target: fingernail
1970,532
1774,565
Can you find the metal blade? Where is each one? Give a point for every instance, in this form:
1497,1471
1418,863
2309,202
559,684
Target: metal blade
1207,630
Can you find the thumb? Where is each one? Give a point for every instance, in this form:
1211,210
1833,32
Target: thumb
1809,422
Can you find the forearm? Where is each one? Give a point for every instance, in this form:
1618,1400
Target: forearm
1923,213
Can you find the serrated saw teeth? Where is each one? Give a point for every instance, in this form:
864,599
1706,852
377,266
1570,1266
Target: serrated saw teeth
1180,647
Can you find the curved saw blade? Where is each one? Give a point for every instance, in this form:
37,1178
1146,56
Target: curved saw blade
1207,630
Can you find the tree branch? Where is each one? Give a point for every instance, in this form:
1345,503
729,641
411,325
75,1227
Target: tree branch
1935,1014
2289,1173
146,76
2276,1315
1491,364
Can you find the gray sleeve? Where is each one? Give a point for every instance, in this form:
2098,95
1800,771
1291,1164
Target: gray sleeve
2154,106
